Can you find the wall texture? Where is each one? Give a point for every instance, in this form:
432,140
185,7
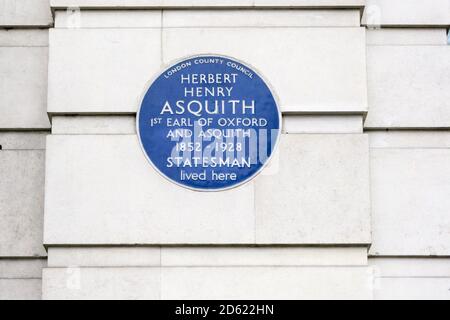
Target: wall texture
354,204
24,125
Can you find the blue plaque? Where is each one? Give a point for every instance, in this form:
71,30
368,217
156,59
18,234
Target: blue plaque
209,123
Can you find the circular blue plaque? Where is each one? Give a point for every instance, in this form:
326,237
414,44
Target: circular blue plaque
209,123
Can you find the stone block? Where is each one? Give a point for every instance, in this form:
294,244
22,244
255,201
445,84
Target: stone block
101,70
311,69
23,140
262,256
101,284
263,283
20,289
101,190
409,139
25,13
408,86
261,18
104,256
410,202
320,194
23,84
410,36
21,203
21,268
73,125
93,19
407,13
406,267
122,4
322,124
412,289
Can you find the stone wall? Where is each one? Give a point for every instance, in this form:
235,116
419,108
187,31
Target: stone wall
353,205
24,125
